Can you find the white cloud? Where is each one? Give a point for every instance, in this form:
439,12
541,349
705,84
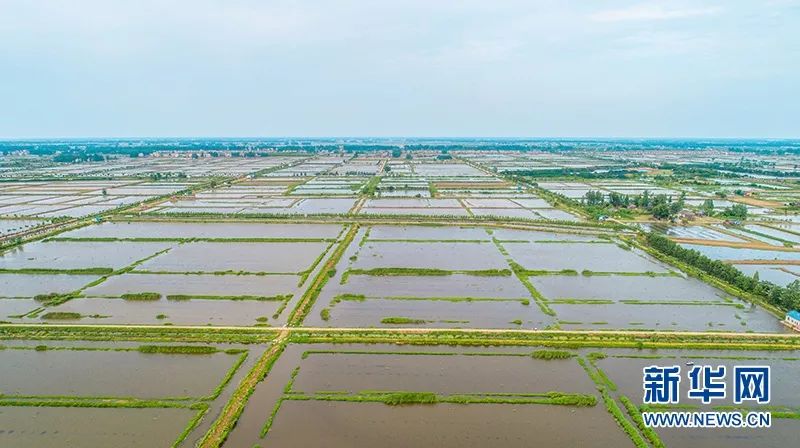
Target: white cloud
650,11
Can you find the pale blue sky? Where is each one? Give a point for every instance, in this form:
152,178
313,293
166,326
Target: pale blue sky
726,68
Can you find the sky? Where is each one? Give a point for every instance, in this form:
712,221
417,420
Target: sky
514,68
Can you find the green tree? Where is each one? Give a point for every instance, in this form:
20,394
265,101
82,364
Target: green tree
708,207
737,211
661,211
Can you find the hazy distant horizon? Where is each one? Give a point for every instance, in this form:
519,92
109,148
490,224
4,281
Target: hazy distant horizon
397,137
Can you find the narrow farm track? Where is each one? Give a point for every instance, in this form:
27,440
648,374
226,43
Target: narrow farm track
231,412
304,306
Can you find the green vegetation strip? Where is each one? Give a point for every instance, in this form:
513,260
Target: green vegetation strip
76,402
362,297
228,376
222,427
327,271
179,349
551,354
774,298
142,296
411,398
308,353
611,404
553,339
191,240
136,333
428,272
44,271
193,423
228,272
61,315
636,415
276,298
519,272
402,321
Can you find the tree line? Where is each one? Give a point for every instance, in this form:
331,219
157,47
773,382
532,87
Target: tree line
785,298
661,206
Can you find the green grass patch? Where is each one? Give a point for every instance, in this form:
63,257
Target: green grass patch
636,415
623,422
402,321
551,354
401,272
142,296
179,297
178,349
401,398
61,315
428,272
44,271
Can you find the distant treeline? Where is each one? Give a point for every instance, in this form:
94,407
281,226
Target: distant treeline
352,144
713,169
785,298
584,173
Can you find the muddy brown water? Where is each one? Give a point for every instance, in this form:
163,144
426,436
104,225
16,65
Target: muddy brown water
30,285
219,285
35,427
182,312
445,425
75,255
249,257
450,374
110,373
453,256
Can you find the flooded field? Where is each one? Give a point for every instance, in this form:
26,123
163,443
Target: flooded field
113,373
113,393
173,312
452,256
52,199
444,425
78,255
643,288
580,257
325,298
195,285
682,317
342,386
451,374
31,285
33,427
328,374
8,226
184,230
194,274
559,280
280,258
624,369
